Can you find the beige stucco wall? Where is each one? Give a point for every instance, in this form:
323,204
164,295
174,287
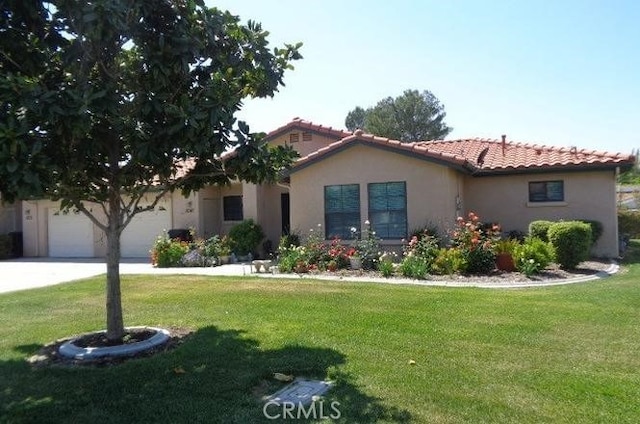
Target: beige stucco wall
210,212
185,214
432,189
588,195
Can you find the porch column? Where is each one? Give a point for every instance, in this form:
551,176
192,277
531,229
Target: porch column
250,201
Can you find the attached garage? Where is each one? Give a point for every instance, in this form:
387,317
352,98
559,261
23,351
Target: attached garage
70,234
138,237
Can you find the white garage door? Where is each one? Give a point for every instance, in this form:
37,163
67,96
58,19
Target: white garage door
138,237
70,234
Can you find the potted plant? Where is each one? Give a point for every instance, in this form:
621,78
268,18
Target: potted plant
504,254
355,260
224,250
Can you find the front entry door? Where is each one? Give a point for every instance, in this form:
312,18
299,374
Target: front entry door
285,213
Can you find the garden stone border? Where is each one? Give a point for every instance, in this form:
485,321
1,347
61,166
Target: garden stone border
70,350
612,269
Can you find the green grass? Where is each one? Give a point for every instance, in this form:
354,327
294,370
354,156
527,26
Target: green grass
568,354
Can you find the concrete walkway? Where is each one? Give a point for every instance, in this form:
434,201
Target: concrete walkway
28,273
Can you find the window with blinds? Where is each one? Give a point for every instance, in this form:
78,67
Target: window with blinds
388,209
341,210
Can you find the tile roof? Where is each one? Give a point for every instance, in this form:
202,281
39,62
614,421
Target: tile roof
494,156
301,124
481,156
411,149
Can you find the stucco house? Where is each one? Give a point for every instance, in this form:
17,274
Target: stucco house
343,179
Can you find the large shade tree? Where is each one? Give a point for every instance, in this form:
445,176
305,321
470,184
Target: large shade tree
109,102
412,116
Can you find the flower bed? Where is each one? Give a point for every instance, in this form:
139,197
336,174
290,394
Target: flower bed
471,248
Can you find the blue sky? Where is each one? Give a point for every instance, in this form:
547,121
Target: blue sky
564,73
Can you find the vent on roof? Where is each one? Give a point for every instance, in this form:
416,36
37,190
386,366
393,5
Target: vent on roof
306,136
294,137
481,156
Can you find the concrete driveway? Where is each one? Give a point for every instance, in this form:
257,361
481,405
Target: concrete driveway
28,273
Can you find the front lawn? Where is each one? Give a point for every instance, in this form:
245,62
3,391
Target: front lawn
562,354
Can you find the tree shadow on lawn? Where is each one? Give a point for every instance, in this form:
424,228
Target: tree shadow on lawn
216,376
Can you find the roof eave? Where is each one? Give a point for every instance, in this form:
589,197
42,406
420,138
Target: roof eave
552,169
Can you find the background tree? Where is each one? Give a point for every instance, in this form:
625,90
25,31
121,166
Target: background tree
632,176
107,102
410,117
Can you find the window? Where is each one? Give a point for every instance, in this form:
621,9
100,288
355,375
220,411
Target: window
232,208
306,136
341,210
388,209
294,137
546,191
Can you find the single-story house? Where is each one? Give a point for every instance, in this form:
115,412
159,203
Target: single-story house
343,179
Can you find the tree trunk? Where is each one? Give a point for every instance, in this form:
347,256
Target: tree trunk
115,323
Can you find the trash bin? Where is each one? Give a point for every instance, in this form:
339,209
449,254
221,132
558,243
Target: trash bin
16,244
180,234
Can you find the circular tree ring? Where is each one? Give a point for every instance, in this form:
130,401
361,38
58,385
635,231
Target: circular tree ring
70,350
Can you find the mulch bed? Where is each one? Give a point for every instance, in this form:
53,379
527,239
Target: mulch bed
551,273
48,355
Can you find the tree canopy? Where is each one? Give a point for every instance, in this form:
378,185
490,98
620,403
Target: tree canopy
105,102
410,117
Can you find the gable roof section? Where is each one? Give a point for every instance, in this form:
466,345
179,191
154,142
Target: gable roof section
415,150
480,157
307,126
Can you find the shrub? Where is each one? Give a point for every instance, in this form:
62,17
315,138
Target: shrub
245,237
166,252
516,235
476,241
314,254
448,262
386,265
414,267
6,246
506,246
596,229
480,261
629,223
529,266
429,229
571,241
540,229
425,247
367,247
291,258
536,250
288,240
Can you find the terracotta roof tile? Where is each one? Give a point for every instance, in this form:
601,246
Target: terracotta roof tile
481,155
301,124
495,156
413,149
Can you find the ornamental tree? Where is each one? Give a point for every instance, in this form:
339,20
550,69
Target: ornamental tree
105,102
